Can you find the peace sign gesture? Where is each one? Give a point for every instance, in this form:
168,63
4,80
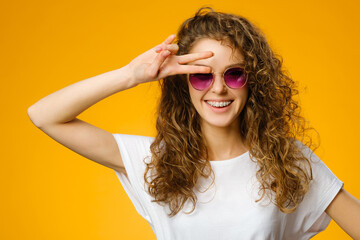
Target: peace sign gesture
161,61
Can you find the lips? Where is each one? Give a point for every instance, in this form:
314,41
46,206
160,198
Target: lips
219,103
219,100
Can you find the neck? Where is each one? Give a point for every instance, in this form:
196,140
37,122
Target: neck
223,142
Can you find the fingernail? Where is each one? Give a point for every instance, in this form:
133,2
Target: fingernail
158,48
166,53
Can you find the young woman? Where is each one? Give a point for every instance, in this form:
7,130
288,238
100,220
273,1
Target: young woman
228,160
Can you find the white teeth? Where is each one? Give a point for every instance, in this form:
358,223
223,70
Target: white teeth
218,104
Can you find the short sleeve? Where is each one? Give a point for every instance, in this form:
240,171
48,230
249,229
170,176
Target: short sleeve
310,217
134,150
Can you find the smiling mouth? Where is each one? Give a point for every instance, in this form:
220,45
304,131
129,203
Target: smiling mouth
219,104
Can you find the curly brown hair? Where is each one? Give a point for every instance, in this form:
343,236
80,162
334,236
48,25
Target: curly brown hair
270,121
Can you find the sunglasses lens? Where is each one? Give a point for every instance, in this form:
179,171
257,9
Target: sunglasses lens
200,81
235,78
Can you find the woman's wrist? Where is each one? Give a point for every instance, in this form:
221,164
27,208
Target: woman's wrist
122,79
128,76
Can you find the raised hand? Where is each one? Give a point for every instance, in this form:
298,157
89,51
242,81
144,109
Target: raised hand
161,61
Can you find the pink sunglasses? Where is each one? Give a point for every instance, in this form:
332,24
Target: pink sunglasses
233,77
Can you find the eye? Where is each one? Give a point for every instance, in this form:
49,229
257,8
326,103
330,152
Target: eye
234,72
235,78
200,76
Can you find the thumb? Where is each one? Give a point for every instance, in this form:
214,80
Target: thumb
155,66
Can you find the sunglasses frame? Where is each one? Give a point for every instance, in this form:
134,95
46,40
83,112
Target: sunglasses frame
223,77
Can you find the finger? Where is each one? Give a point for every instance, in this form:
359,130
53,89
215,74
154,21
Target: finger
163,45
188,69
173,48
155,66
194,56
170,39
158,48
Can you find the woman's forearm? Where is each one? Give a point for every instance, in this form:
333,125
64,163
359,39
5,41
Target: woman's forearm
65,104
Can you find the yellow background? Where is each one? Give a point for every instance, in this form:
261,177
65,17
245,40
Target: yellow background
50,192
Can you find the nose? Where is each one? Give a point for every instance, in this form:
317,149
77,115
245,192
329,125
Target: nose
218,85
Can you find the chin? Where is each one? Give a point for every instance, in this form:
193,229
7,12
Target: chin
221,123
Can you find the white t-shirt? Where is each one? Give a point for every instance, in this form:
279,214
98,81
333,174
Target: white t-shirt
232,212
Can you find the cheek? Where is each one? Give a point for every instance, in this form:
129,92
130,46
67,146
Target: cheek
196,99
193,100
243,94
193,94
